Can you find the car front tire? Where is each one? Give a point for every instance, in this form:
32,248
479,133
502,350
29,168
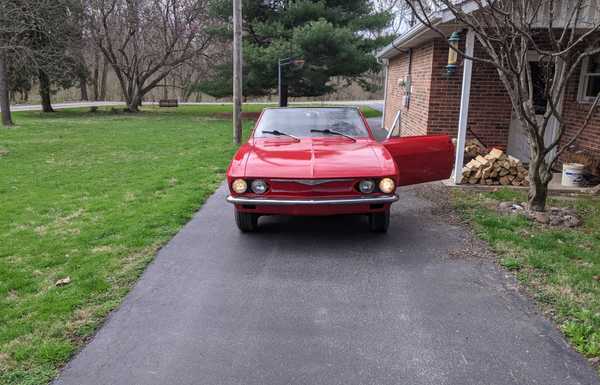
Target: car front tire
246,222
379,222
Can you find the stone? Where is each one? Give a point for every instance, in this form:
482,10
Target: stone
554,210
555,221
63,281
541,217
505,206
571,221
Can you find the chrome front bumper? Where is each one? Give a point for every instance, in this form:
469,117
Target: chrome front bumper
312,202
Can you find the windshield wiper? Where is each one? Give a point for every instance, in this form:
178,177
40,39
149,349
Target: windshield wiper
332,132
279,133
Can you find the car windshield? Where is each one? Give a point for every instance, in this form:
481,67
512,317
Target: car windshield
303,122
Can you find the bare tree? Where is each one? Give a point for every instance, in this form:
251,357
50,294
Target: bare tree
11,35
4,95
98,73
145,40
403,17
562,33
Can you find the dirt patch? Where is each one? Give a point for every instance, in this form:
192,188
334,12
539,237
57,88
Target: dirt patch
443,209
440,196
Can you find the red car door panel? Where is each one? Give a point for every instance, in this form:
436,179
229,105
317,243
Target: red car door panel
422,159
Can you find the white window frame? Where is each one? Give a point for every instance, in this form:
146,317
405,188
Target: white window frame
583,82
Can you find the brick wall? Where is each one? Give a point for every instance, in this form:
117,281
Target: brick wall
414,117
445,93
574,115
489,107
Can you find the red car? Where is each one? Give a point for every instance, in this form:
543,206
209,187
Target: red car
326,161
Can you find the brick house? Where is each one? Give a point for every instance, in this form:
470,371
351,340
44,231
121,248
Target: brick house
421,98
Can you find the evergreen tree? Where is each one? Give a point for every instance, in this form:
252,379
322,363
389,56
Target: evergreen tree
335,38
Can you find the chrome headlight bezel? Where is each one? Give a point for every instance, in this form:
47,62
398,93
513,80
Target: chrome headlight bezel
366,186
387,185
239,186
259,186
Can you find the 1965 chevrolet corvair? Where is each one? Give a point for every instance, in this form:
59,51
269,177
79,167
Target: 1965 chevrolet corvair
325,161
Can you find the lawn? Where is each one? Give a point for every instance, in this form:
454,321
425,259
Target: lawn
560,268
91,196
226,108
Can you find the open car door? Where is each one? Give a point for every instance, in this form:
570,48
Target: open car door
421,159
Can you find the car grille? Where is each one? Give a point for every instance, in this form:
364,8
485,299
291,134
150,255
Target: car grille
314,187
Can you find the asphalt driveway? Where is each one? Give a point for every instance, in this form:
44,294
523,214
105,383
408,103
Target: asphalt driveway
323,301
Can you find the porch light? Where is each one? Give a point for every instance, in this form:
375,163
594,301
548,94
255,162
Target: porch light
453,41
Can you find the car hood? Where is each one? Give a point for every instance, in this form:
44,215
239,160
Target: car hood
317,158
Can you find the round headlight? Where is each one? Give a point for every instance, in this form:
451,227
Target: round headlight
259,186
366,186
239,186
387,185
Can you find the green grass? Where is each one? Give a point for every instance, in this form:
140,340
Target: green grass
211,109
559,267
370,112
92,197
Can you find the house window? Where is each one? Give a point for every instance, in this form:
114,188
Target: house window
589,86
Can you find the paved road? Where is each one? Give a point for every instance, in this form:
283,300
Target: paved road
323,301
58,106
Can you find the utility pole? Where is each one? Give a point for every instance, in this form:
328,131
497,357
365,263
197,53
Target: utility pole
237,71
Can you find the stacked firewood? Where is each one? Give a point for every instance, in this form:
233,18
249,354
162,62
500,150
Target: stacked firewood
474,147
495,168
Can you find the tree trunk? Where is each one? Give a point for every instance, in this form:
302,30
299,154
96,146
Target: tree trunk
45,92
95,90
103,79
95,79
4,97
134,102
540,176
83,87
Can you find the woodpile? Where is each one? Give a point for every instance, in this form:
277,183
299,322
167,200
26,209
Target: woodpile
495,168
473,148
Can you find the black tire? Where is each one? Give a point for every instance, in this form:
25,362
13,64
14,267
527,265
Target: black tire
246,222
379,222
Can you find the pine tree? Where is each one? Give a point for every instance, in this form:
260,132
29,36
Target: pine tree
335,38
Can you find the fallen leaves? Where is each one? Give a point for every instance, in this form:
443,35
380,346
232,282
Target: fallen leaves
63,281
